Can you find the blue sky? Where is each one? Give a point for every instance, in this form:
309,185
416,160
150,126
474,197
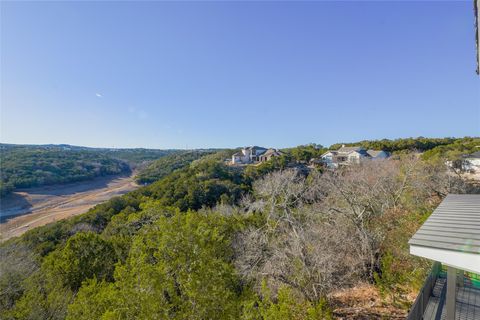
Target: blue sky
227,74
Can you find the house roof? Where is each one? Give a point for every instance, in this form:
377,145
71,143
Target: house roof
349,149
374,153
272,152
474,155
330,151
237,154
363,152
451,235
255,148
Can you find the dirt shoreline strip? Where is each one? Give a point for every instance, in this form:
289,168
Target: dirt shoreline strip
36,207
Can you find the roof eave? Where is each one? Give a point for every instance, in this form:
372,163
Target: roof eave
460,260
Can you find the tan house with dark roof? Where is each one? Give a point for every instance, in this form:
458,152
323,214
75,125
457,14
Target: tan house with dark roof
269,154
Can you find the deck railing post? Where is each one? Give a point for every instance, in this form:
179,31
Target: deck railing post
451,293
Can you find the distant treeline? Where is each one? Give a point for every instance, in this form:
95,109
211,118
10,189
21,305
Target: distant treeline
431,147
453,151
420,144
25,166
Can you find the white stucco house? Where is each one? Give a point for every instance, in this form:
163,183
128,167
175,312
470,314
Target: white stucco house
254,154
351,155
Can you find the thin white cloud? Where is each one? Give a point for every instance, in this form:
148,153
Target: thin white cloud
99,95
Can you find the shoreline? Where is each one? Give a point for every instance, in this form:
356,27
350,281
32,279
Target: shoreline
31,208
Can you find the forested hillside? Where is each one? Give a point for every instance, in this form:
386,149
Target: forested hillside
165,165
419,144
24,166
209,241
453,151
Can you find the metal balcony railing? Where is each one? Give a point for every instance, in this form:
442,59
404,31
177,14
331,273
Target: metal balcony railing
430,302
420,304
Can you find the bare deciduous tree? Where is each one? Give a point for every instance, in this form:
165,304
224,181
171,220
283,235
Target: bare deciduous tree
17,263
326,230
309,252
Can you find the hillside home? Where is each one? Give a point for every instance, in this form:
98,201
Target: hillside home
254,154
471,162
351,155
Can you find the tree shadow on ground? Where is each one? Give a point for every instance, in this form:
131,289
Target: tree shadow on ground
13,204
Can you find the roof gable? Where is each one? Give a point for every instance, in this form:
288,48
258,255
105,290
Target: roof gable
332,152
272,151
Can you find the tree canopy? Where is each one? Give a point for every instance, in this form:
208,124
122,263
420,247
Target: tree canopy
211,241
